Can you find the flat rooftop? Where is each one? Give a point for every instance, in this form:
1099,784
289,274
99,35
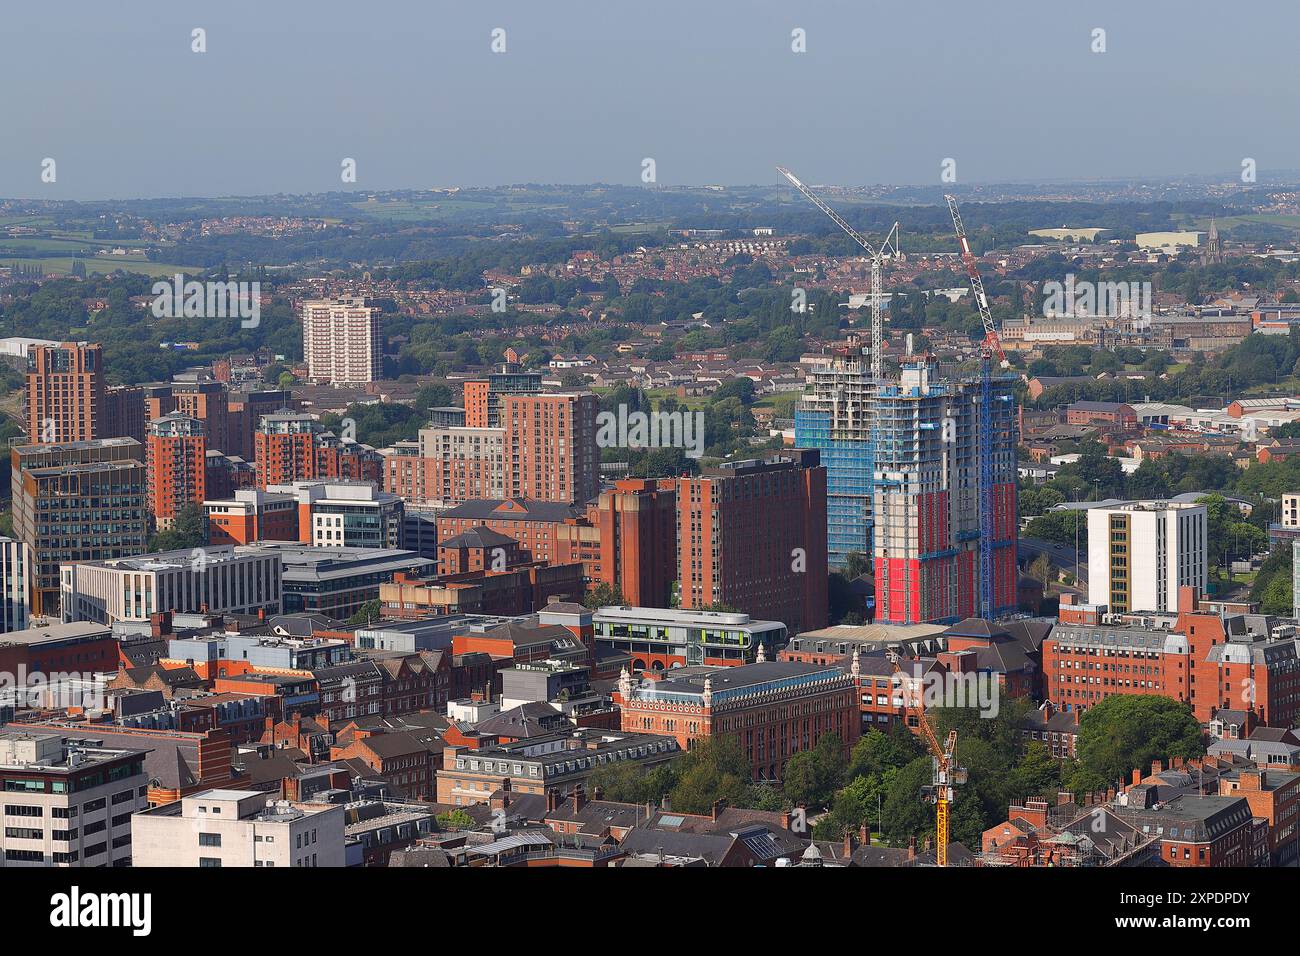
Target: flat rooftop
57,632
690,680
653,615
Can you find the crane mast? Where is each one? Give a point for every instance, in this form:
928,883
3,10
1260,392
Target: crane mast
888,249
992,343
992,348
947,775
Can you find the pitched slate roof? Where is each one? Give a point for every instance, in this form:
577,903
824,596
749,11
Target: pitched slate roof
478,537
533,719
514,508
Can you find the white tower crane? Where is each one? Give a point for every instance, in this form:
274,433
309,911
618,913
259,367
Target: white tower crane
888,249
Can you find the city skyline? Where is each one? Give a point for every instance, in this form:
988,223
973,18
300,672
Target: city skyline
936,506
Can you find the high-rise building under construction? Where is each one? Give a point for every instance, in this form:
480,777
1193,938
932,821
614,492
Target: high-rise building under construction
929,488
834,417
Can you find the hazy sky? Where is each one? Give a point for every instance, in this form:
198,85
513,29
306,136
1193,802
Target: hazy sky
588,88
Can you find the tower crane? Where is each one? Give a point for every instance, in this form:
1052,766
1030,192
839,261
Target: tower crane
991,349
888,249
992,344
947,774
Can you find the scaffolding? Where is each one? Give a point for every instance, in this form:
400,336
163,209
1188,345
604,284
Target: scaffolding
940,505
835,417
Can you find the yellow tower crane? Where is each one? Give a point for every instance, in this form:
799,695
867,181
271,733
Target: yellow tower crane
947,774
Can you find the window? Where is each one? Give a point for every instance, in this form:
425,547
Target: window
209,839
208,862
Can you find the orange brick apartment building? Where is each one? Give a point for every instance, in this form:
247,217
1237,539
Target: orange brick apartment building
176,451
775,708
1196,661
752,535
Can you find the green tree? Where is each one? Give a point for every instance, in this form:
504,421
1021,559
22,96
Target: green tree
855,565
188,531
1273,582
1042,569
1035,501
1060,527
1037,774
905,814
456,820
877,751
1227,536
811,776
629,783
603,595
714,769
852,807
1126,732
366,614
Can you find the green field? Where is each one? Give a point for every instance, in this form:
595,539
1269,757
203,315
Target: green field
1202,223
102,265
448,207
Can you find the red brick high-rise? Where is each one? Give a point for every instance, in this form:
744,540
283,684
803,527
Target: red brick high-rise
293,446
482,397
207,400
284,447
550,447
751,535
638,539
65,393
1197,661
176,454
476,404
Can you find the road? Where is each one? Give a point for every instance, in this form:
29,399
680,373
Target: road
1059,555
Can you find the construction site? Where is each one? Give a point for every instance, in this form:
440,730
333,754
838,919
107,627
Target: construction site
920,462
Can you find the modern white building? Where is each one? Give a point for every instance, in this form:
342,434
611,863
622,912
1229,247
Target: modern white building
1295,575
1141,552
1291,510
15,584
242,828
340,341
347,514
67,801
225,579
662,638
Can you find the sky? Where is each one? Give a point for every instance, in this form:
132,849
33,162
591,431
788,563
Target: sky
586,90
